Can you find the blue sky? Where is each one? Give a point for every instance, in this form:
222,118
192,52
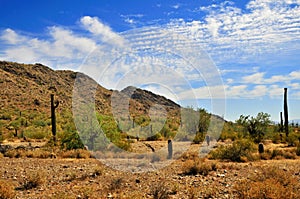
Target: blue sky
250,48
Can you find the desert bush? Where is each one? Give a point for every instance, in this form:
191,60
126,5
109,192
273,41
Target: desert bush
71,141
293,138
36,132
39,153
15,153
33,180
70,176
239,151
199,138
278,138
159,191
97,171
255,126
123,145
298,150
116,184
194,167
190,155
155,137
270,182
228,135
77,153
7,190
5,116
1,136
278,154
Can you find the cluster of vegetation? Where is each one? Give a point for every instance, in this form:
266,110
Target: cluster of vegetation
97,133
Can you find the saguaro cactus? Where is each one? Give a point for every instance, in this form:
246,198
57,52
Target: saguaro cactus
281,123
286,116
170,149
133,121
261,148
54,105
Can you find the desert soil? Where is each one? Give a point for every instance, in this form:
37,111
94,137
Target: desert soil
91,178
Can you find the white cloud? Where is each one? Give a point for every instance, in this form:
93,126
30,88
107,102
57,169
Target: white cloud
95,26
176,6
62,49
257,91
260,78
65,39
256,78
238,91
275,91
11,37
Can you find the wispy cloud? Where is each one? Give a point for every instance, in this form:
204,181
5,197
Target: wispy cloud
95,26
264,27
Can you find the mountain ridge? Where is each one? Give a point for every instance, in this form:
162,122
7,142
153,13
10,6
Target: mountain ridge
27,88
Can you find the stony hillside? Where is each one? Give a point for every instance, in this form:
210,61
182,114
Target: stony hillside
26,88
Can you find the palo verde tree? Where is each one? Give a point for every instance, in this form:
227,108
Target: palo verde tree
255,126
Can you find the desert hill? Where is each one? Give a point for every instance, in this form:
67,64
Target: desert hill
25,95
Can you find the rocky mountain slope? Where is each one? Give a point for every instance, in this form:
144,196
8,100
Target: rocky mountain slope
26,89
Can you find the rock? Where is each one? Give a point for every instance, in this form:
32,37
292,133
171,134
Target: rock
220,175
4,148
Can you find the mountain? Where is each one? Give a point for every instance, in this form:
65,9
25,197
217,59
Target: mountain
26,88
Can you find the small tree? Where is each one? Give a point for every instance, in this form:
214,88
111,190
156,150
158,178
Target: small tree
255,126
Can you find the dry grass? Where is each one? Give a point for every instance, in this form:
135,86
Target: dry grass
159,191
77,153
270,182
21,153
116,184
7,190
33,180
279,154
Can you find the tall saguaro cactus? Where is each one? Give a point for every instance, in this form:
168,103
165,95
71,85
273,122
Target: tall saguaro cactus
54,105
286,115
281,123
170,149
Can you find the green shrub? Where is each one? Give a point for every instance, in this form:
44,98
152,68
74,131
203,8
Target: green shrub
5,116
199,138
71,141
278,138
40,123
155,137
293,138
239,151
36,132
